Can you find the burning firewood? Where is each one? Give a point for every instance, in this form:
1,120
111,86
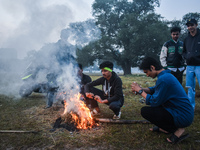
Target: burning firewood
72,122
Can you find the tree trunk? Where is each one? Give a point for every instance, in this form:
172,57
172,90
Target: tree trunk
127,71
126,68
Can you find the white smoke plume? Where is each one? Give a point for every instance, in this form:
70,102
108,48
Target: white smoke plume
27,25
30,40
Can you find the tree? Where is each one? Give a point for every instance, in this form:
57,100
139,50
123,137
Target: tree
129,31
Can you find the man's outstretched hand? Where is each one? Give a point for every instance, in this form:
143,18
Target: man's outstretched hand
89,95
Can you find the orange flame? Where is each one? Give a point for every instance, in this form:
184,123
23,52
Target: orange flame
80,113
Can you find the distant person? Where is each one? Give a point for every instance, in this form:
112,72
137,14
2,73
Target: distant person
171,55
170,109
111,93
84,79
191,51
52,87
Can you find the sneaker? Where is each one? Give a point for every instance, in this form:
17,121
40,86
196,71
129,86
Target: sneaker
94,112
117,116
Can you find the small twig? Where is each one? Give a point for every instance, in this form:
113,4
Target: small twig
16,131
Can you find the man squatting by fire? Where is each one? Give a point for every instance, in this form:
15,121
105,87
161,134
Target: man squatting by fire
170,109
111,93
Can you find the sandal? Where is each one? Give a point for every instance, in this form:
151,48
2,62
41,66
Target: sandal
174,139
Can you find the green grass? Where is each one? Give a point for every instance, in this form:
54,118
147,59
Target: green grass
28,114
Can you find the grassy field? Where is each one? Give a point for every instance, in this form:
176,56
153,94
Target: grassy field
28,114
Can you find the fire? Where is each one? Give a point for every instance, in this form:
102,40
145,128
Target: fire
79,111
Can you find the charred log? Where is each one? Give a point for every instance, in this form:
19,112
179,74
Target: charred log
65,122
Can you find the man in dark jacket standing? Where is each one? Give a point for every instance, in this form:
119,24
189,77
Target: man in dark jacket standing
171,55
191,52
111,93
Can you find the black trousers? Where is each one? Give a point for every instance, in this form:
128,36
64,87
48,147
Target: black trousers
178,74
115,106
160,117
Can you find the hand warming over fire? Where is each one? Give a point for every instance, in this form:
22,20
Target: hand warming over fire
98,99
135,87
89,95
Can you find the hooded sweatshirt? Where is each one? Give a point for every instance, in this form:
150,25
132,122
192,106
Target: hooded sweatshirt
112,89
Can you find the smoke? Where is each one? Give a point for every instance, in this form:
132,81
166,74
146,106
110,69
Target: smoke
31,41
27,25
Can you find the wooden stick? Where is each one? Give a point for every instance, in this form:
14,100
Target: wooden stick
16,131
107,120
